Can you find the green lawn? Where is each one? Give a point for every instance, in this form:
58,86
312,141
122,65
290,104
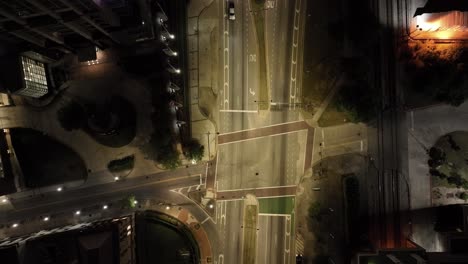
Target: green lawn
277,205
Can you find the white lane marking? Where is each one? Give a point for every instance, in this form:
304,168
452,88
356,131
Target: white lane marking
220,259
412,121
362,145
305,150
216,171
266,239
206,219
261,188
250,129
295,40
267,214
274,135
287,248
225,60
323,138
237,111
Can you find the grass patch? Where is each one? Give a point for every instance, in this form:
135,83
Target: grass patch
45,161
332,116
250,234
123,164
277,205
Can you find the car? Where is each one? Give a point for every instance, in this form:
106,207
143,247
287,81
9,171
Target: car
299,259
231,12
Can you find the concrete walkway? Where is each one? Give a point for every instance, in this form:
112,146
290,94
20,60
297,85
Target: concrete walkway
202,40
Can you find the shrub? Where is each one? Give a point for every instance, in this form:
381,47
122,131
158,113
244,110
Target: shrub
118,165
194,150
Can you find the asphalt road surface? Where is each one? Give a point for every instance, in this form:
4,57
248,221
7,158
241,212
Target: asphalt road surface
245,161
272,239
27,210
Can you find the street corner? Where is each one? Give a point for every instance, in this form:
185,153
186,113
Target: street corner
203,241
205,132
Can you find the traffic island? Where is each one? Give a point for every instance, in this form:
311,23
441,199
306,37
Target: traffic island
258,16
249,226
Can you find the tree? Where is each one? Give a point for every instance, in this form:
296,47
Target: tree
315,211
169,158
437,72
72,116
194,150
437,158
463,195
358,100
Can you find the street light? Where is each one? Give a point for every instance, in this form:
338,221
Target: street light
211,206
168,207
104,207
59,189
4,200
46,218
15,225
77,212
116,178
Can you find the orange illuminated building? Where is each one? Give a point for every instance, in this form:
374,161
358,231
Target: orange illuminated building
441,20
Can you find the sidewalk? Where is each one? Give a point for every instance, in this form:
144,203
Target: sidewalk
202,62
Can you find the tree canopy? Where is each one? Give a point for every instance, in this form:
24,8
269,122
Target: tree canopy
194,150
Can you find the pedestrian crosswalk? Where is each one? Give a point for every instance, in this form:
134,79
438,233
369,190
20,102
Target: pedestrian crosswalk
186,190
299,244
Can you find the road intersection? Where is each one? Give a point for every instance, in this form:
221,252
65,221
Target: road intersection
261,154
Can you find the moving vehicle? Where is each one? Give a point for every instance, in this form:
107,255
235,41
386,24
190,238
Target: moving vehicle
231,12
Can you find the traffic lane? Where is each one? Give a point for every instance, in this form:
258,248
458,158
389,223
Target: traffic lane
228,223
263,162
271,239
236,57
36,195
280,55
92,196
251,66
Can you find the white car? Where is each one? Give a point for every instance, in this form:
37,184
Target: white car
231,13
